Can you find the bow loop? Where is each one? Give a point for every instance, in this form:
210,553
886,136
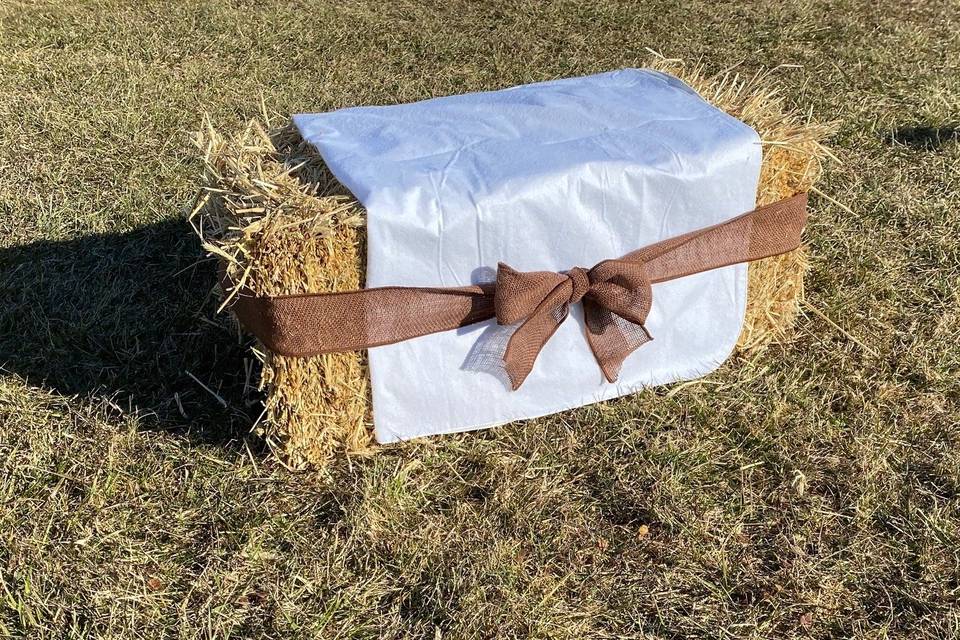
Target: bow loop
630,304
629,274
519,293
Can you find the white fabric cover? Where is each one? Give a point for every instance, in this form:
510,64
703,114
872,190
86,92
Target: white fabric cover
544,176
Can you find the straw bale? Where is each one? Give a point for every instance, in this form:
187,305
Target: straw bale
279,222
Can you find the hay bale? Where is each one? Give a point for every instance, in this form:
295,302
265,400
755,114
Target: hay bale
278,221
792,162
280,224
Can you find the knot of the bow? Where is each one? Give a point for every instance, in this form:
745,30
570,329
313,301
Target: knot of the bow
616,297
580,280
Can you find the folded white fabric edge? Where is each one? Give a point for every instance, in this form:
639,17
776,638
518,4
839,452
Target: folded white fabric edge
544,176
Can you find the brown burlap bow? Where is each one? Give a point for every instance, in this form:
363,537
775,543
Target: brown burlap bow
616,295
541,301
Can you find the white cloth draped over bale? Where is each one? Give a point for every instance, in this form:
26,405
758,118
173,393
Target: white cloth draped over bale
545,176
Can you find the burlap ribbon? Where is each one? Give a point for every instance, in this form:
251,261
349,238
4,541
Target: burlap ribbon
616,296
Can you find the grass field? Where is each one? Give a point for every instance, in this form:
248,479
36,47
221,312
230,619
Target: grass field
813,491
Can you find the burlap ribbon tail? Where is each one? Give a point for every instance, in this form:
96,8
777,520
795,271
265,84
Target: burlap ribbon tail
616,296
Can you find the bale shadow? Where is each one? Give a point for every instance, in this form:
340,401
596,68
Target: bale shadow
128,316
922,137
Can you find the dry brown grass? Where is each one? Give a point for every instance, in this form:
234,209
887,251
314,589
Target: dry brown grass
273,214
811,492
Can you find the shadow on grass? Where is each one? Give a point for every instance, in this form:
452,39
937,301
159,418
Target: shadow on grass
127,316
924,138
